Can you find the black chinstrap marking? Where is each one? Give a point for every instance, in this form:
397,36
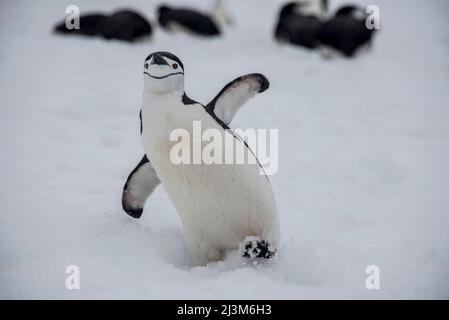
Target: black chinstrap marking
171,74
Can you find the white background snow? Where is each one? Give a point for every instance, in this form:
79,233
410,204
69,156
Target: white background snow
363,158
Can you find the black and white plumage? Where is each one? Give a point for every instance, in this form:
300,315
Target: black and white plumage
189,20
299,22
124,25
90,25
235,94
140,184
346,32
222,207
143,179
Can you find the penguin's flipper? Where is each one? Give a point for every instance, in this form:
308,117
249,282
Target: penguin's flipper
235,94
140,184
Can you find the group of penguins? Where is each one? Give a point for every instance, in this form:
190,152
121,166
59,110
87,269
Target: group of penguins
308,24
129,25
304,23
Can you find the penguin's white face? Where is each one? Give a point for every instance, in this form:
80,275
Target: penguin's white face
163,72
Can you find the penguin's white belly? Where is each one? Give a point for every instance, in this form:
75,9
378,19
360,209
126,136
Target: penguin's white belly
219,204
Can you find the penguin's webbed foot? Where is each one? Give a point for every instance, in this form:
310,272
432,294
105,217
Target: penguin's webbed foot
256,248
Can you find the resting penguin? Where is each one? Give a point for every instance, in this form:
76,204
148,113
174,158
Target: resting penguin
346,33
222,206
299,23
125,25
90,25
186,19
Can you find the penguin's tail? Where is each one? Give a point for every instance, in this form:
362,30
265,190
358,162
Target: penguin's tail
257,248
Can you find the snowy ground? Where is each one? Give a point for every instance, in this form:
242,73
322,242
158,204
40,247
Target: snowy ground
363,176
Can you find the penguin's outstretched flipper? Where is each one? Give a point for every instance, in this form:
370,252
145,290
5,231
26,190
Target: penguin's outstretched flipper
235,94
140,184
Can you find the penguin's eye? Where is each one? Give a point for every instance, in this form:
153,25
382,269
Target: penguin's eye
175,66
146,65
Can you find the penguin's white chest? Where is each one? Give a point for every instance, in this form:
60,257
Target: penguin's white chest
219,204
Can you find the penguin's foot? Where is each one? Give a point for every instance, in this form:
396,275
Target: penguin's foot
255,248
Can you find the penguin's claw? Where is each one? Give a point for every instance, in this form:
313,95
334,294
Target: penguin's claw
256,248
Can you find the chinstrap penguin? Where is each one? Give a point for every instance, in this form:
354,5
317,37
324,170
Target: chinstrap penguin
124,25
90,25
299,23
194,21
222,207
346,33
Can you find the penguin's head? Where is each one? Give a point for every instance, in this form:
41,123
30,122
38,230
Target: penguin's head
163,72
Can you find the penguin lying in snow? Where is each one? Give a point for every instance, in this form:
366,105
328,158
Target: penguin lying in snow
90,25
125,25
300,22
198,23
222,207
195,22
345,33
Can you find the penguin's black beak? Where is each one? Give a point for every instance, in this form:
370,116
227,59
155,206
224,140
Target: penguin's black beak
157,59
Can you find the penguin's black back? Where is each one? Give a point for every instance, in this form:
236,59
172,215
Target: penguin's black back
346,34
296,28
194,21
299,30
126,25
90,25
346,31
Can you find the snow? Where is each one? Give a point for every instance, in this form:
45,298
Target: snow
363,175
